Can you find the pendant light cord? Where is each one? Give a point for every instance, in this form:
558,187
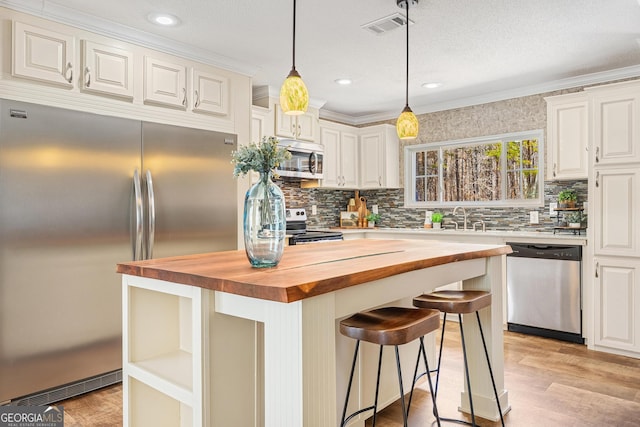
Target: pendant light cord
407,76
294,36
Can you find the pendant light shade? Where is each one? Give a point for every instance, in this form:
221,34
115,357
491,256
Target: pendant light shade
407,124
294,97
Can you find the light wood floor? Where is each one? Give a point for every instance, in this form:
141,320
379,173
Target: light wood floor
550,383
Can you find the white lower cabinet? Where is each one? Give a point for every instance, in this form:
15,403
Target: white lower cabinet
163,353
617,304
44,55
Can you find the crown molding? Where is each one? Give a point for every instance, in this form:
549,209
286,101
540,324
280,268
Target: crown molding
69,16
567,83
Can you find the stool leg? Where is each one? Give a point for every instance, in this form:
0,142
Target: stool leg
353,368
433,395
444,324
466,370
368,408
404,409
375,403
493,381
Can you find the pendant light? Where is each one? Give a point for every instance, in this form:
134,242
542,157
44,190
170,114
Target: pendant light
407,124
294,98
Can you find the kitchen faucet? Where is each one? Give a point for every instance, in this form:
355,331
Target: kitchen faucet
464,212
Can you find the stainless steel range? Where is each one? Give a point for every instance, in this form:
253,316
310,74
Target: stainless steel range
297,229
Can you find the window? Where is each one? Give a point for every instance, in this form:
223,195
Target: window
498,170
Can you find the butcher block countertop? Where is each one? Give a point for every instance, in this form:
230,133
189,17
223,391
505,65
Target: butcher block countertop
308,270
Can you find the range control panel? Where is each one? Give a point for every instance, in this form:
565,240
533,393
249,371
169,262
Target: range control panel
299,214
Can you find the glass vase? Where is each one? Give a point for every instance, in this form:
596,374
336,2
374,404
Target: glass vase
264,223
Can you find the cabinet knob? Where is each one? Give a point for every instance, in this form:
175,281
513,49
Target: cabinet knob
87,75
554,170
184,100
597,154
597,179
597,268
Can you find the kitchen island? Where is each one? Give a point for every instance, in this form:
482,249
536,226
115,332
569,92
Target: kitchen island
174,368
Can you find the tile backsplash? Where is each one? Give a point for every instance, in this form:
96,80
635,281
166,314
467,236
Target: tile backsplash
390,206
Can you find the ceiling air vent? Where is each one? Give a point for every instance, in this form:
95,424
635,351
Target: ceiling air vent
386,24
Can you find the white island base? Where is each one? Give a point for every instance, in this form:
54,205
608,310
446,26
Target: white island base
198,357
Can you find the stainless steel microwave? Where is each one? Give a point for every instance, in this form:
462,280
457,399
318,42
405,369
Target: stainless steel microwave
306,160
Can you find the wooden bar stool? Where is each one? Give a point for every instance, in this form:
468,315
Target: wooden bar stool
457,302
388,326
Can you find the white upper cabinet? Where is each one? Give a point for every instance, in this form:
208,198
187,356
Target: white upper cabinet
379,157
568,136
210,93
165,83
261,123
616,117
44,55
107,70
340,166
616,207
303,126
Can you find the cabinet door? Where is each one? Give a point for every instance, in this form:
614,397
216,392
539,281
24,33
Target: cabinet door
615,131
617,303
210,93
165,83
349,159
43,55
331,176
617,203
306,127
371,168
285,125
568,134
259,123
107,69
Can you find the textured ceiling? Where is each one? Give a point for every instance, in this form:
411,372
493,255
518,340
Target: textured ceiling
478,50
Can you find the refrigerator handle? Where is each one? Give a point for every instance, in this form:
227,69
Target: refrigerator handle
137,191
152,215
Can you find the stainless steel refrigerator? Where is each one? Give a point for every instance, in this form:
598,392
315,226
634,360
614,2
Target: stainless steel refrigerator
79,193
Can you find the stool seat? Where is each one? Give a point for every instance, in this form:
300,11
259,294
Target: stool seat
390,325
461,302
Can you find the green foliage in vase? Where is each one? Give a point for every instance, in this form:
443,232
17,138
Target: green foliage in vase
262,157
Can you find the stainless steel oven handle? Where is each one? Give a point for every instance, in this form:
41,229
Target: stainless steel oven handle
152,216
137,193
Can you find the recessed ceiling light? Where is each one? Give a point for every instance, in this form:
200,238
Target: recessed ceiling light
165,19
431,85
343,82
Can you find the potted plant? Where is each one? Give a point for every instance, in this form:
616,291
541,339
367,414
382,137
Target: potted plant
576,219
567,198
436,219
372,218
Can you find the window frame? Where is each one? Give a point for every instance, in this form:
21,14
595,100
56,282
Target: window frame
410,170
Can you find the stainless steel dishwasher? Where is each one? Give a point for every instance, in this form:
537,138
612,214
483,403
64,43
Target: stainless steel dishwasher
544,290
